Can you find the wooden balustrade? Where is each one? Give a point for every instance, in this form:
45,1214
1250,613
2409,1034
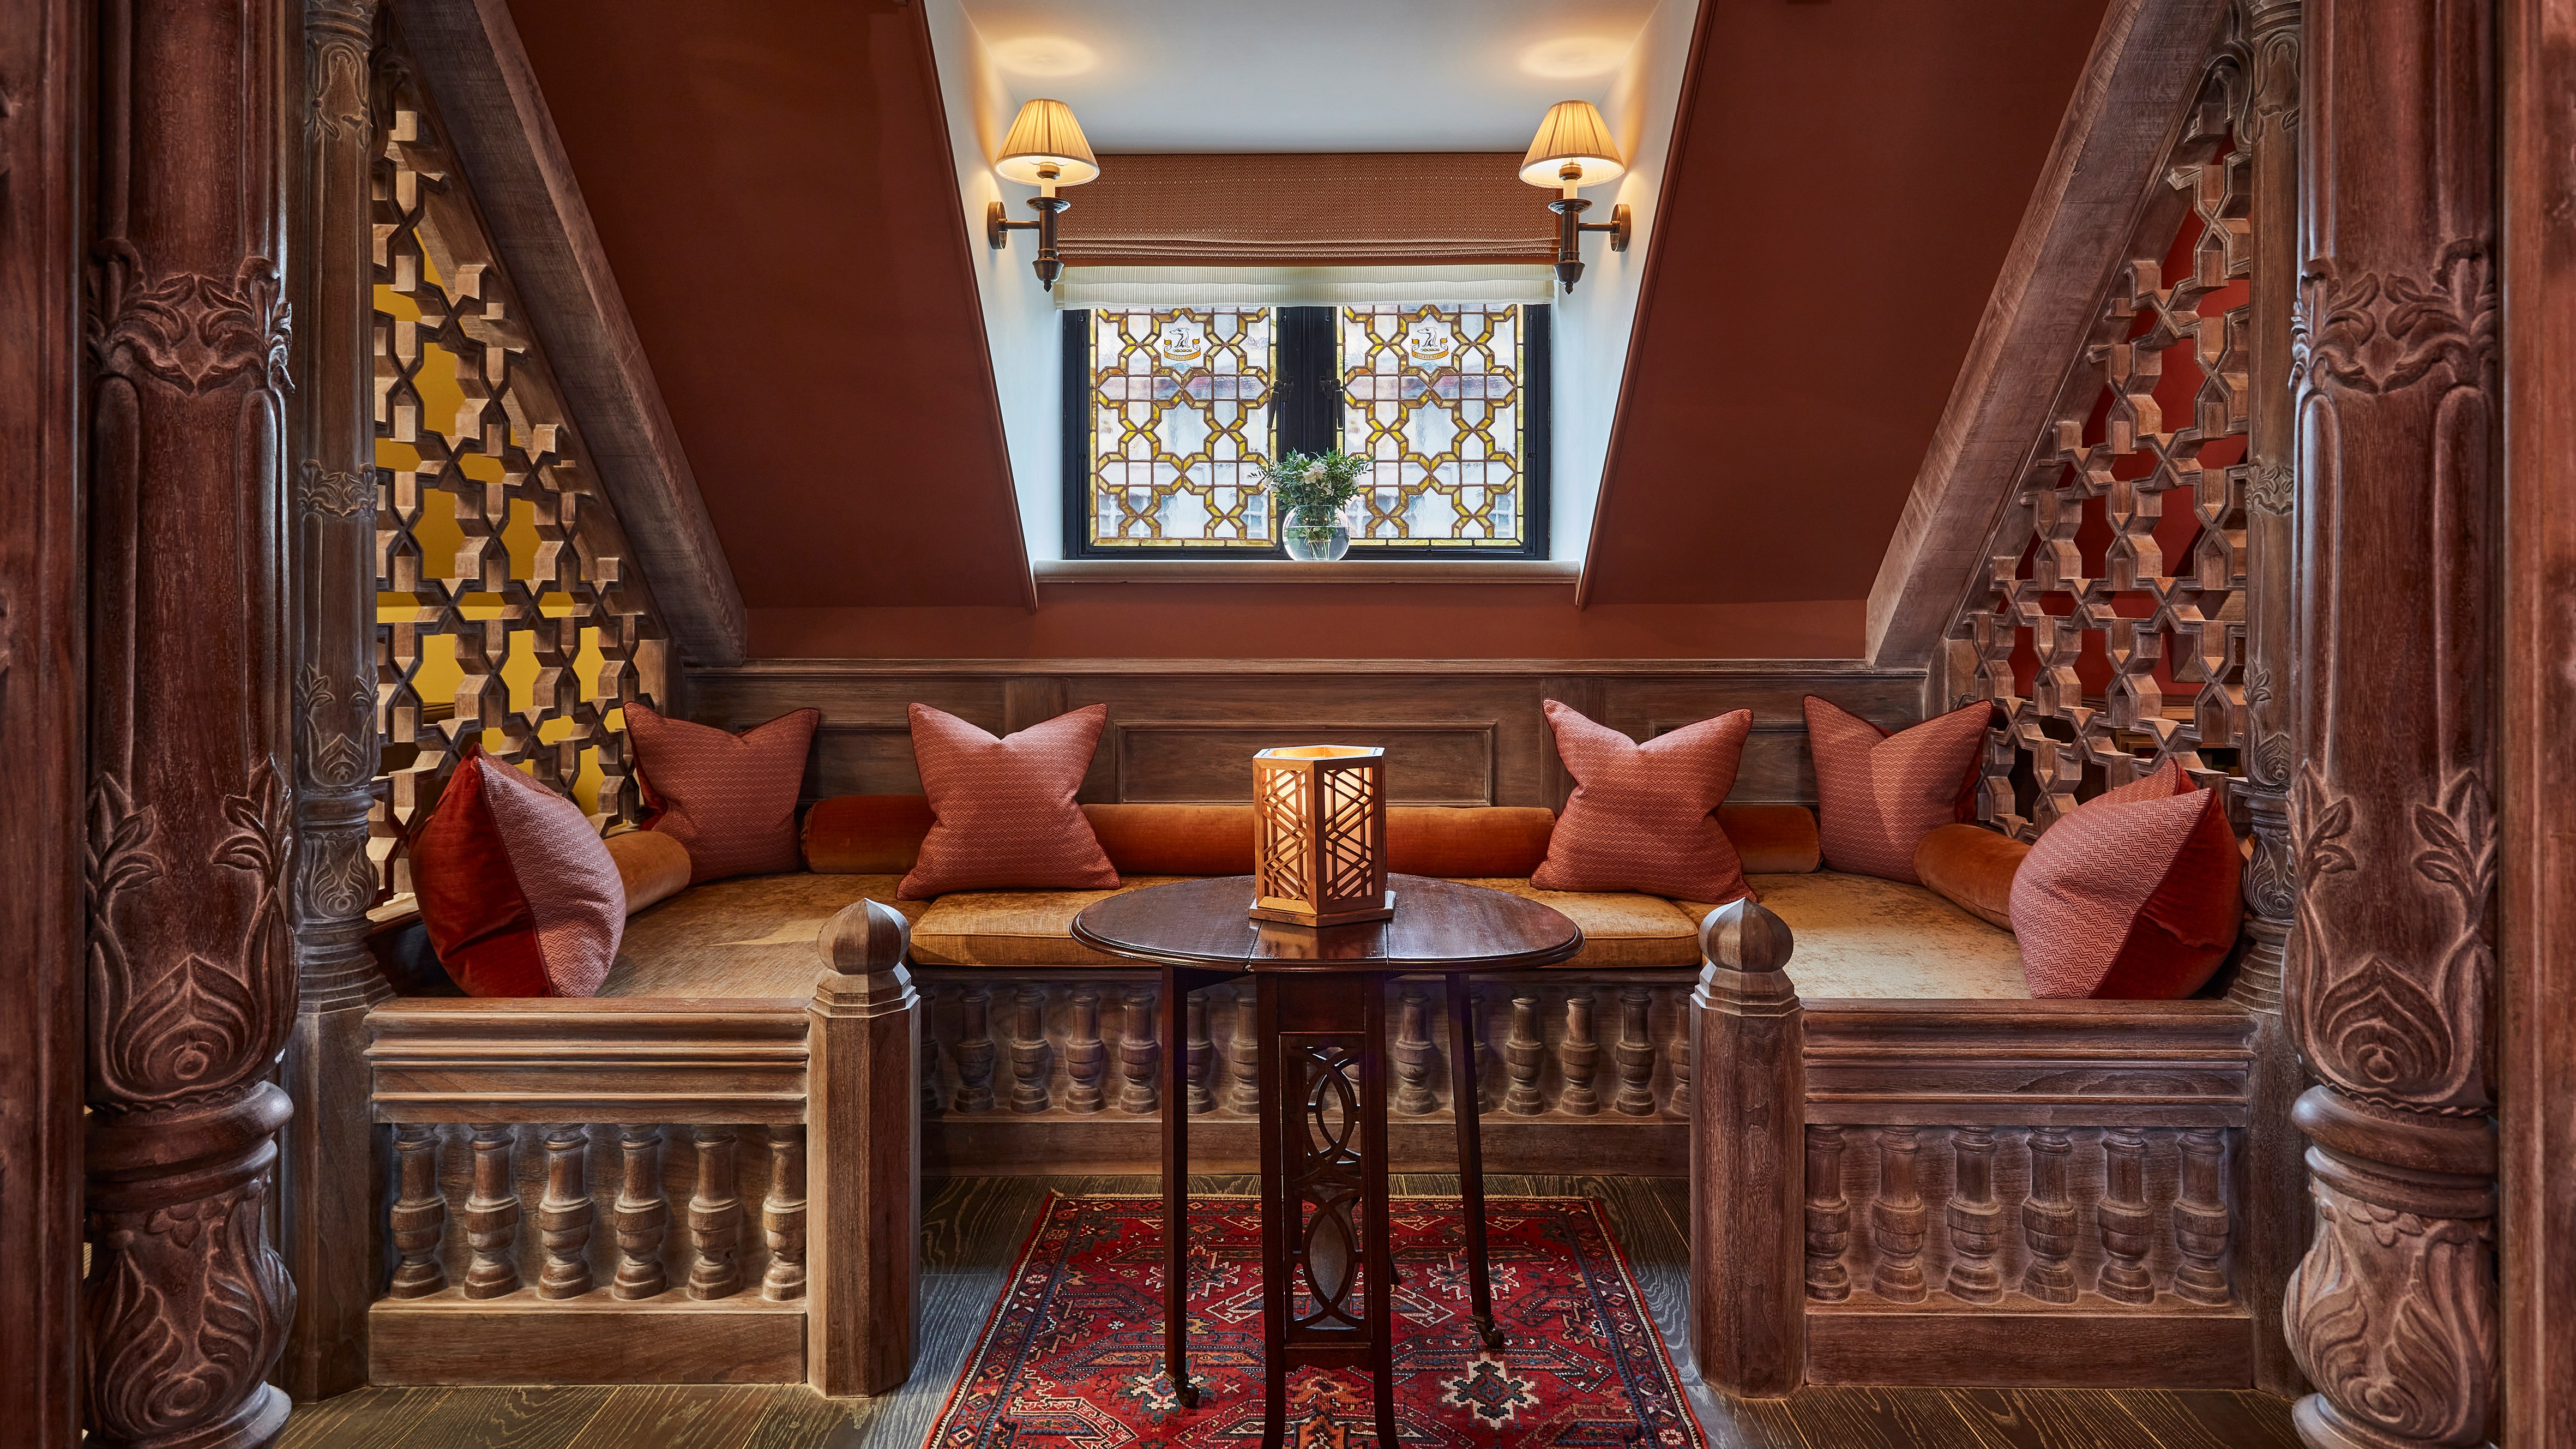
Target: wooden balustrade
1083,1050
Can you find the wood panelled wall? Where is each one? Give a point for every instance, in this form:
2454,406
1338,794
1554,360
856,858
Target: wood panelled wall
1457,732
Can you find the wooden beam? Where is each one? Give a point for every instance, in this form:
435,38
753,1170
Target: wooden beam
2107,166
468,52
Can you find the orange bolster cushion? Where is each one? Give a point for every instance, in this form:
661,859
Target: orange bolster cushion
1972,867
653,864
882,834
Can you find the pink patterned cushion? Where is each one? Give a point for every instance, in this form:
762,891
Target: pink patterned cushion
1004,810
1879,794
2133,896
519,896
1644,817
731,799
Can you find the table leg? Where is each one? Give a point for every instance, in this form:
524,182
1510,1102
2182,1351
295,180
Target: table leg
1464,1103
1176,1189
1278,1202
1377,1234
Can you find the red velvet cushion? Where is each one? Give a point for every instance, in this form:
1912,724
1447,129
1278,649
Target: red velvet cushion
1644,817
731,799
1004,808
518,893
1879,794
2133,897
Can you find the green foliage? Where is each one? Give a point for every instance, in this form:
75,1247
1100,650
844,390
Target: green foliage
1311,489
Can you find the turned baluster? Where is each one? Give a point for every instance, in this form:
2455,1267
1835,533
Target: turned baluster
1635,1055
975,1050
2127,1222
1140,1054
1578,1056
1976,1219
2048,1219
1828,1216
419,1213
1897,1219
1679,1102
715,1216
1413,1054
782,1214
642,1215
2200,1220
1521,1052
929,1060
1086,1060
1029,1051
1202,1063
491,1217
1243,1056
565,1215
1480,1007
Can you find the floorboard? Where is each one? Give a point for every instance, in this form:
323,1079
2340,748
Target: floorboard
973,1228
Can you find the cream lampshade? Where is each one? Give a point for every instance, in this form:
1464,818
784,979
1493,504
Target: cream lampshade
1046,148
1573,149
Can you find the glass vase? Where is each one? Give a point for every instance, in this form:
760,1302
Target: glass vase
1312,541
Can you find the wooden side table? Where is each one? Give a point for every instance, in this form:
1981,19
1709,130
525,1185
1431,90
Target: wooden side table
1320,1004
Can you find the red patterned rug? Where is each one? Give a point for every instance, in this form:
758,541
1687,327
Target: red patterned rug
1072,1354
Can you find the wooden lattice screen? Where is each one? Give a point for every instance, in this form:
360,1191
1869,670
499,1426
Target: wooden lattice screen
537,630
2111,629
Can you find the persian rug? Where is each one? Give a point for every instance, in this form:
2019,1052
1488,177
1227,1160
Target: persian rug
1072,1353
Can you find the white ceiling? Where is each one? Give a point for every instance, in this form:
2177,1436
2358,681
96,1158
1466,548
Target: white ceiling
1309,75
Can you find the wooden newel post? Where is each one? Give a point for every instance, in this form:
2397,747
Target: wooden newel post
863,1121
1748,1172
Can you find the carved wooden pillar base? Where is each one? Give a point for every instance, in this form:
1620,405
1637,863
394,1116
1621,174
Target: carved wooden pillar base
2392,1314
1747,1183
186,1305
863,1193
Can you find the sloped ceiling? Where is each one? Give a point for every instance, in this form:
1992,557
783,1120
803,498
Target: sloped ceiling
774,187
1847,180
773,184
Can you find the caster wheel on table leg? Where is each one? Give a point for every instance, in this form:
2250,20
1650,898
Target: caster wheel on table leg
1188,1395
1490,1335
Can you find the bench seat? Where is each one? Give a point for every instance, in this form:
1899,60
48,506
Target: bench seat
1860,937
751,936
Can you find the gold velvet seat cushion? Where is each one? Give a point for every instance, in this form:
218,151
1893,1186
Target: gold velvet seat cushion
1035,928
749,936
1860,936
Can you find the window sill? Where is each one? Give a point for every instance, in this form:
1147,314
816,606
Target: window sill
1287,571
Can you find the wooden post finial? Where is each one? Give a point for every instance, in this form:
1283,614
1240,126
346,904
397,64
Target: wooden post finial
867,937
1743,935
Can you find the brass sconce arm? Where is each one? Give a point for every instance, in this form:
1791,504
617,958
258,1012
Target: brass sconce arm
997,230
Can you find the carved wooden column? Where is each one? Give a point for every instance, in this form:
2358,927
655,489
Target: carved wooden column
332,1194
191,965
863,1130
1747,1170
2392,1312
2271,1181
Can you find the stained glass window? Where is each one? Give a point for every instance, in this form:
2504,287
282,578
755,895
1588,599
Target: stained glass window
1433,395
1169,412
1180,412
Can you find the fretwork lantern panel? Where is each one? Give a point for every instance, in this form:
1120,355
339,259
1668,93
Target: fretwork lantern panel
1319,845
2111,628
508,610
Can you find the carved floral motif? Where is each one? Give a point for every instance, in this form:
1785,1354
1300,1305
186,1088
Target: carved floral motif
193,331
334,493
340,726
2392,1316
187,1307
2381,332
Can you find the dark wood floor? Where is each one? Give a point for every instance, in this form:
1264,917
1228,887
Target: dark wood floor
974,1225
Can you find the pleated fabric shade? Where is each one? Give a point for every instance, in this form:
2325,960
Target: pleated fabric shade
1278,209
1044,135
1573,134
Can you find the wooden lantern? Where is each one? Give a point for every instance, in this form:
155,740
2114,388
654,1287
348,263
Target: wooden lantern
1319,821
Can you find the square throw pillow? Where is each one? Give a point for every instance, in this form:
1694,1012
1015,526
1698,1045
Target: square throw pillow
1644,817
2133,896
1003,810
518,893
729,798
1879,794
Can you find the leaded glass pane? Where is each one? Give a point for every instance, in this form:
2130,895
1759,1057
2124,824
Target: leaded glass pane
1433,396
1180,413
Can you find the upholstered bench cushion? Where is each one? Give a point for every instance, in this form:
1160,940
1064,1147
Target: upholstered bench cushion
750,936
1035,928
1860,936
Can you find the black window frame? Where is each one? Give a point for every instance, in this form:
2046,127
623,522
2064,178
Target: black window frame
1306,417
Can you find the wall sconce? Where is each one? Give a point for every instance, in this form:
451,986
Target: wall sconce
1046,150
1573,150
1319,835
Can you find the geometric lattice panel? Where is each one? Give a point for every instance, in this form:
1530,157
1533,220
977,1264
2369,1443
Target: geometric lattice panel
2111,626
508,612
1432,395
